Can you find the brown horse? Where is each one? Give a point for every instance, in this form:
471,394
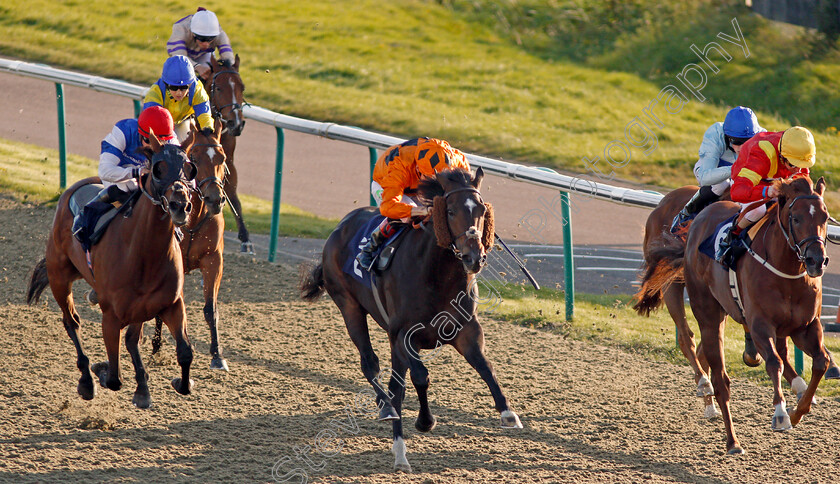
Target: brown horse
780,289
203,242
426,299
136,272
227,97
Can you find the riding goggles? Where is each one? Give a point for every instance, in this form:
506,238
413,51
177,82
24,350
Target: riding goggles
204,38
176,88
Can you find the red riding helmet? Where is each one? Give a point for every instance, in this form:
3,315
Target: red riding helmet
158,120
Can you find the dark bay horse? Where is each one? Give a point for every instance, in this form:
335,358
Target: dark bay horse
428,296
227,97
136,271
780,285
203,242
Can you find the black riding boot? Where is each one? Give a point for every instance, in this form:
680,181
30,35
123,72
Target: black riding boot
701,199
110,194
365,257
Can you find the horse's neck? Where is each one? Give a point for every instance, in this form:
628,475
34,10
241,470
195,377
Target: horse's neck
153,229
782,257
443,268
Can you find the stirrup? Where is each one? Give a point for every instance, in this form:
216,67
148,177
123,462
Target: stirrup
678,224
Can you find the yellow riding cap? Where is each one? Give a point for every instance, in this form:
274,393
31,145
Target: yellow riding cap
797,145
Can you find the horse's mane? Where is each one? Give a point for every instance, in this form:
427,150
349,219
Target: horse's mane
798,186
430,187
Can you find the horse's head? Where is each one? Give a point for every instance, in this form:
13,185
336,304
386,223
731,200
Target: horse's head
208,157
227,95
803,219
167,184
463,222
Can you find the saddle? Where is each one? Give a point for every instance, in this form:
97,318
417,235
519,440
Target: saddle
740,244
96,216
383,257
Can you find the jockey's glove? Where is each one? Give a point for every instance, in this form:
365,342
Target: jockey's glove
135,173
207,131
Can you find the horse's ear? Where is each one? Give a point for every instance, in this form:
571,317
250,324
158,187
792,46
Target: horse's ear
187,144
819,187
479,175
444,238
236,63
488,237
154,142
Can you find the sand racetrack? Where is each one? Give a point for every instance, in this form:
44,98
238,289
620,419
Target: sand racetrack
591,413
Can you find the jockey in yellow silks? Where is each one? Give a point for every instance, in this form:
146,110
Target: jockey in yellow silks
396,176
179,91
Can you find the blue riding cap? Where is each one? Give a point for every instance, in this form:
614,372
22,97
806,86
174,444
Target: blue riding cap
740,122
178,71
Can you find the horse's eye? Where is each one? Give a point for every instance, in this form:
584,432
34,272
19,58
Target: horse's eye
796,220
450,212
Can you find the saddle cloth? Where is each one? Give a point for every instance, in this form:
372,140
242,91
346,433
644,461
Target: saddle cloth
359,239
96,216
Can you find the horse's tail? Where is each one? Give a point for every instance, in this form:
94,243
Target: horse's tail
311,282
663,266
38,282
158,337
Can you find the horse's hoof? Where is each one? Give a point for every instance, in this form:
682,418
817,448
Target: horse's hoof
737,450
424,425
87,390
712,412
781,423
218,363
510,420
387,414
177,385
751,360
704,387
247,248
101,372
142,401
833,373
403,467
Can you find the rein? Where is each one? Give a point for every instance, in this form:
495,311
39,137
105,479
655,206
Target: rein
216,181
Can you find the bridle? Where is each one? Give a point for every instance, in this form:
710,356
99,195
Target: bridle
235,106
210,179
157,194
800,247
470,233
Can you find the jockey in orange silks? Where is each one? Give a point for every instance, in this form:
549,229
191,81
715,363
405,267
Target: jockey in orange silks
765,157
395,178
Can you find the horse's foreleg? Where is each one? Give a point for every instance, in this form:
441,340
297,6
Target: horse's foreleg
142,398
109,374
396,388
810,341
211,271
231,184
797,383
175,319
765,343
470,343
420,379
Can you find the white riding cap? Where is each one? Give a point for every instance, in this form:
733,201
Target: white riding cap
204,22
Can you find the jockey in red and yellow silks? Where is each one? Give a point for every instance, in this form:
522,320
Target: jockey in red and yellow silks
765,157
395,178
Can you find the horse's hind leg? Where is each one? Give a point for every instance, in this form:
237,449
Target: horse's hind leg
673,298
175,319
211,272
141,398
420,378
355,318
109,372
470,343
396,387
810,341
61,288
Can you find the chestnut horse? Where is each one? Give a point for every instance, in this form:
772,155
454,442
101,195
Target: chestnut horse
136,271
427,298
203,242
780,285
227,97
